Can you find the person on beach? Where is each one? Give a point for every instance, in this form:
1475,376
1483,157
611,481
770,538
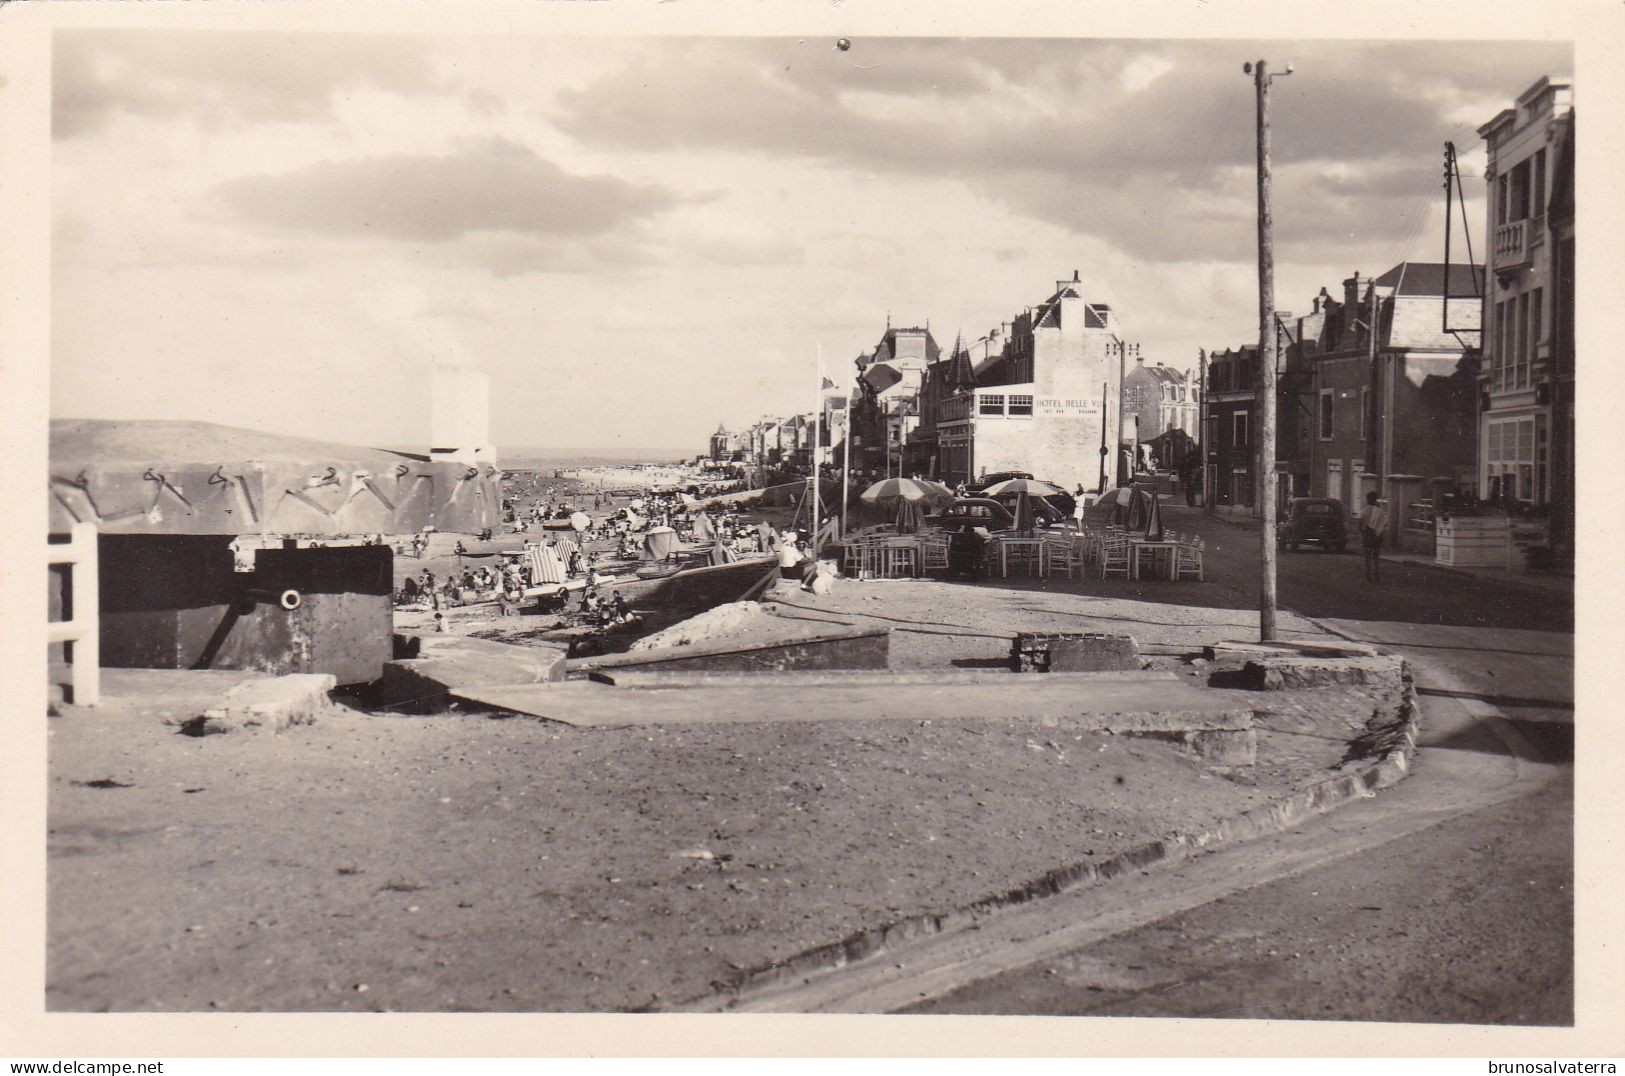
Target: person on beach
789,555
1373,524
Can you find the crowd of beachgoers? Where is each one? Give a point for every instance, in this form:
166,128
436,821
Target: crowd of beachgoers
568,539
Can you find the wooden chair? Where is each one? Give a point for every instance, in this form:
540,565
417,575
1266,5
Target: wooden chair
900,558
1060,553
1189,559
860,557
1114,555
934,553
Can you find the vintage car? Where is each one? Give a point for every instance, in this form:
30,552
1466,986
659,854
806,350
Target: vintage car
978,485
967,513
1314,519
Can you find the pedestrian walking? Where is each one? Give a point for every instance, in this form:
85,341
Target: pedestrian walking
1373,524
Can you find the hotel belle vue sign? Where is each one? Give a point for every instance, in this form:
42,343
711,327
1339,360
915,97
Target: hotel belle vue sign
1058,406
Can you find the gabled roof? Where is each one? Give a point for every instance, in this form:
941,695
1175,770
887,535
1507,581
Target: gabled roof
1048,313
880,377
1162,374
1426,279
886,350
961,374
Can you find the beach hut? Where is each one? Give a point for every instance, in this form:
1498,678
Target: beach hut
544,565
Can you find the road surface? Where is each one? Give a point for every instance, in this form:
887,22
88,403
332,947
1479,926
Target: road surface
1448,898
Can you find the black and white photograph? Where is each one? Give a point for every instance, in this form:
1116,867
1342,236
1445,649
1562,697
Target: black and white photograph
851,516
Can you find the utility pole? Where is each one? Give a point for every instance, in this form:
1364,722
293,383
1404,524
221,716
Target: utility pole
1266,356
1104,388
1378,435
1117,450
1204,441
846,463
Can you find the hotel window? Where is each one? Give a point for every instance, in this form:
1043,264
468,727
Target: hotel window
1538,210
1238,427
1536,298
1327,403
1520,350
1498,368
1518,193
1021,405
1509,458
990,405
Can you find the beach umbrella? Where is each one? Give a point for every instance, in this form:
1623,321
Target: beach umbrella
1136,513
916,490
580,521
908,516
1030,486
1153,520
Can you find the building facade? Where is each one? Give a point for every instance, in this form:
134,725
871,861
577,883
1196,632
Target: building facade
1158,400
1526,427
1231,402
1039,404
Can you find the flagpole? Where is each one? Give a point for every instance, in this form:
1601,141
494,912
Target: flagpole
818,410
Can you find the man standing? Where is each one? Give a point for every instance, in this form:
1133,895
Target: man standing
1373,524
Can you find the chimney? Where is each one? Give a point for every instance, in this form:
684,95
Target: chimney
1351,289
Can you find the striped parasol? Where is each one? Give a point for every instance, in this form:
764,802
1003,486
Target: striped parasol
913,490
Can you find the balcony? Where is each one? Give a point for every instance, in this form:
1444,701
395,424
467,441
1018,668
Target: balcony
1512,246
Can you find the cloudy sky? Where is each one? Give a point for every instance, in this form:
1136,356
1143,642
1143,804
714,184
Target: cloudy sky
638,238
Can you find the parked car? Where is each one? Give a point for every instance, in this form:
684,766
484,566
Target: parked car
978,486
1055,508
966,513
1314,519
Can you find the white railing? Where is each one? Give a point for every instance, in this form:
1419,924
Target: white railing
83,632
1511,244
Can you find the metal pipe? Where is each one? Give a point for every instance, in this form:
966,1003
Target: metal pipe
289,599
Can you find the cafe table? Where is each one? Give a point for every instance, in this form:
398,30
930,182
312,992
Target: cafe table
1006,544
1167,549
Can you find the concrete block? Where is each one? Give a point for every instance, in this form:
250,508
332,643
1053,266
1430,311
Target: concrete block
426,682
837,648
1224,747
1243,651
1288,672
1082,651
274,704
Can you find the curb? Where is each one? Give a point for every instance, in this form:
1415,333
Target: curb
1391,767
1491,580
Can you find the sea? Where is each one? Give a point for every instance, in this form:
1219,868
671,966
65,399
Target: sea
549,460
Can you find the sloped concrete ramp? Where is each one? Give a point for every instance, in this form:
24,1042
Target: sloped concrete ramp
1114,705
